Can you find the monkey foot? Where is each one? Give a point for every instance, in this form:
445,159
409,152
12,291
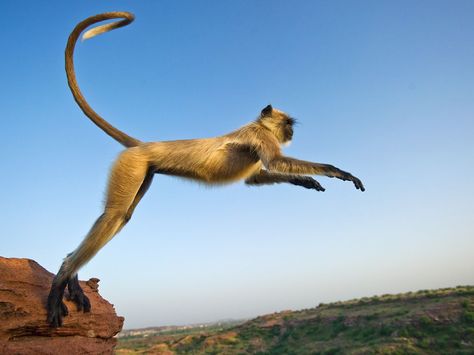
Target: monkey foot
56,308
76,294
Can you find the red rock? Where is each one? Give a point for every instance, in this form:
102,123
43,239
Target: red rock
24,288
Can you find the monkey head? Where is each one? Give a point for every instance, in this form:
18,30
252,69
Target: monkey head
278,122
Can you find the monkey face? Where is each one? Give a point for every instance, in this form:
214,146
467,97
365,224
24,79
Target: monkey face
287,127
280,123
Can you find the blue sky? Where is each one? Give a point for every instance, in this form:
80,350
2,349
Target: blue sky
383,89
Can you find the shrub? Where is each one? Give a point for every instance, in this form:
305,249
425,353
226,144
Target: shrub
468,317
332,351
426,321
386,330
425,343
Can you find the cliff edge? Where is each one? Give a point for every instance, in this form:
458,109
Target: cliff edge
24,288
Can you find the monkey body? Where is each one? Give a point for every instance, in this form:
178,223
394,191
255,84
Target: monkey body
251,153
211,161
214,161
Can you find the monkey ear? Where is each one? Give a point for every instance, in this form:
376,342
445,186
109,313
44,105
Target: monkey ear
267,110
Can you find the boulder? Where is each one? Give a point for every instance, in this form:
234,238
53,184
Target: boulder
24,288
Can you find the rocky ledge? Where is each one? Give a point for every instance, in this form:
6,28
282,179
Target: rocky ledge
24,287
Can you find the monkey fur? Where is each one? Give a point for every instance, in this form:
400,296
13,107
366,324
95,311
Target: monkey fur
251,153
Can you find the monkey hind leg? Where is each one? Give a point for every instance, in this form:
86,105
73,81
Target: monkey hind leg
129,180
76,294
106,226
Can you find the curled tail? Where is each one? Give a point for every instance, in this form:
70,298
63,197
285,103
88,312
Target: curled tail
127,18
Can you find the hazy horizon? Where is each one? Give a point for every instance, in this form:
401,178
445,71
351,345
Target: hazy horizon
384,90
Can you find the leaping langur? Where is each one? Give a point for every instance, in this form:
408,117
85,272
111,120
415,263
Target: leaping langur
251,153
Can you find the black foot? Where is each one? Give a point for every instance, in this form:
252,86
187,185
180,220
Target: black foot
76,294
55,306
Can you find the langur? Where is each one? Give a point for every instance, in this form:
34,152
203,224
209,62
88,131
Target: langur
251,153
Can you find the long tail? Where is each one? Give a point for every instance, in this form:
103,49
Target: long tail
127,17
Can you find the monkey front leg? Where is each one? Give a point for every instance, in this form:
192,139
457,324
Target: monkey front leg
294,166
264,177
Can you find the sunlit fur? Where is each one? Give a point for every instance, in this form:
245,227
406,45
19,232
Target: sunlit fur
251,153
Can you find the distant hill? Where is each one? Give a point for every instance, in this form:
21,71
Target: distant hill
424,322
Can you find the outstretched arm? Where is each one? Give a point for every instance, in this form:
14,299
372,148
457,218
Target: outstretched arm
274,161
264,177
294,166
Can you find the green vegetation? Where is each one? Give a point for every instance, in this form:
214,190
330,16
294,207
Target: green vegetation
423,322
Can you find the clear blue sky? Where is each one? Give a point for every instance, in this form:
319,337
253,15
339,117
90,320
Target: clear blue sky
383,89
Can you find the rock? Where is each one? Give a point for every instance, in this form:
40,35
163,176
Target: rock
24,288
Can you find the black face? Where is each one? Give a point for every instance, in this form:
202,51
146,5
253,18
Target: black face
288,128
